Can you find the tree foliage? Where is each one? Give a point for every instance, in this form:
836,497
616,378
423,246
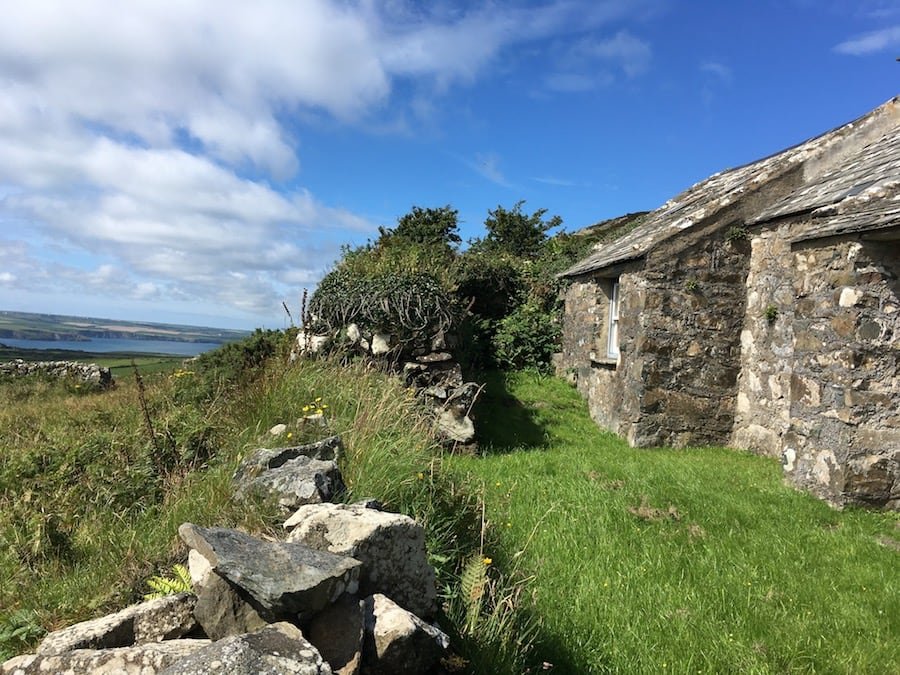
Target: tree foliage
500,296
425,227
515,232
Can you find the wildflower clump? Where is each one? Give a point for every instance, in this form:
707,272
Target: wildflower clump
316,408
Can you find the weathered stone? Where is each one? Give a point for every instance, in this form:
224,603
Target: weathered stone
455,426
160,619
435,357
397,641
390,546
271,458
381,344
278,649
199,569
278,429
296,482
337,632
304,474
145,659
285,579
222,610
309,343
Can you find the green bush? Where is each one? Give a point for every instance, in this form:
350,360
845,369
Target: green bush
526,338
412,306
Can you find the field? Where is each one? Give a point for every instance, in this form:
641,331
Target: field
692,561
28,326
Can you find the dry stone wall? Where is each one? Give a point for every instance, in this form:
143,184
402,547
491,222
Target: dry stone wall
88,373
844,440
762,414
349,591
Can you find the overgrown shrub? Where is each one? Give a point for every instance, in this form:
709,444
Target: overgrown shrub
526,338
411,306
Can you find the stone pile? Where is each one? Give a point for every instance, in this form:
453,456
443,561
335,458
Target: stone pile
429,369
87,373
348,590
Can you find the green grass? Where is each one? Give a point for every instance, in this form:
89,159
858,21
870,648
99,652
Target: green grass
699,560
90,505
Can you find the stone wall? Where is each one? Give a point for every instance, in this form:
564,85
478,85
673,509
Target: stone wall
762,414
844,439
88,373
688,346
584,359
680,316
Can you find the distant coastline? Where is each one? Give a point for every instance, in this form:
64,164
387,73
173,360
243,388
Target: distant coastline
28,326
78,350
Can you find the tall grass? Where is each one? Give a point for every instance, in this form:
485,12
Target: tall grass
699,560
91,495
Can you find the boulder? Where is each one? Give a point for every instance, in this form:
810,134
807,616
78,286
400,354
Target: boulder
271,458
146,659
285,580
161,619
294,476
309,343
278,429
399,642
296,482
337,632
222,610
274,650
390,546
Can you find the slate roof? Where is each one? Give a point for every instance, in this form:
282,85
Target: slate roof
711,196
861,194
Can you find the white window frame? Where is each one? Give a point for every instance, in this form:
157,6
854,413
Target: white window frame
612,326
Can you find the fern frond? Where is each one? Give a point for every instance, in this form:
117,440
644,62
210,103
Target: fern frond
160,586
472,582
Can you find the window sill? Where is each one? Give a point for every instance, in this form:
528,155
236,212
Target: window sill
605,361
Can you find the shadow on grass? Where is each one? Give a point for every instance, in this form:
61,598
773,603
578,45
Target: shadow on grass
503,423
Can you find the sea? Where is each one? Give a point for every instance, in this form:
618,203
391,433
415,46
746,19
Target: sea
172,347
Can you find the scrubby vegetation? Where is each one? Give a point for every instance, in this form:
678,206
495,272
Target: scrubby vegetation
500,294
93,485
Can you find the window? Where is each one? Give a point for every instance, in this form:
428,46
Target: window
612,334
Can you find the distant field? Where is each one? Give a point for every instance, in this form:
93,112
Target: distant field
119,363
28,326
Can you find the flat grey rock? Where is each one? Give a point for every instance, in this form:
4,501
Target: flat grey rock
160,619
278,649
285,579
146,659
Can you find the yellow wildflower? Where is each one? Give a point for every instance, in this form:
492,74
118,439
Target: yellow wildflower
487,561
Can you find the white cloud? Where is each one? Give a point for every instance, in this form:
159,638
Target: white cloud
630,53
870,43
487,165
718,70
150,148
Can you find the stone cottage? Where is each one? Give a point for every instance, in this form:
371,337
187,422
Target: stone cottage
759,309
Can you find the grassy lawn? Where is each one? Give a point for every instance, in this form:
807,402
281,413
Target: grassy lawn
699,560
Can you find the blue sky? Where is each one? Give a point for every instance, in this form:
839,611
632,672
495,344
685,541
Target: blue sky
202,161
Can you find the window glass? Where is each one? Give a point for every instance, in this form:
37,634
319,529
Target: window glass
612,346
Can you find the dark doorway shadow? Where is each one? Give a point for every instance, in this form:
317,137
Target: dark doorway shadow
502,422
